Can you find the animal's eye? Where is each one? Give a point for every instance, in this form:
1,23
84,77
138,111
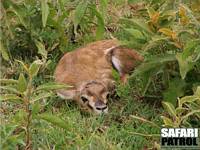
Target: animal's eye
108,96
84,99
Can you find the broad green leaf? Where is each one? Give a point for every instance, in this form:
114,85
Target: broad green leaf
15,140
154,15
19,117
100,23
6,131
52,86
20,12
45,11
41,48
167,14
34,68
183,15
137,34
188,58
10,89
188,99
197,92
103,7
132,43
191,15
167,121
4,51
180,110
193,112
146,78
196,54
183,33
151,11
169,108
153,63
194,105
22,83
57,121
23,65
175,89
166,31
190,48
184,65
9,97
41,96
137,24
8,81
9,30
79,13
170,33
36,108
155,41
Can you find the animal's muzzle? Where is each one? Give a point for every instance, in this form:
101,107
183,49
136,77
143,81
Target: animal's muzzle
100,105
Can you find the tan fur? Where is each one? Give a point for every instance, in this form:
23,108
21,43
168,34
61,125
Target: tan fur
89,71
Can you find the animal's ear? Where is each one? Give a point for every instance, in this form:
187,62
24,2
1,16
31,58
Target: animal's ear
109,84
109,50
125,60
67,94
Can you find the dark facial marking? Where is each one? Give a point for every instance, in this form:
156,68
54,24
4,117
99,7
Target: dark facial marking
102,91
84,99
89,93
108,96
89,106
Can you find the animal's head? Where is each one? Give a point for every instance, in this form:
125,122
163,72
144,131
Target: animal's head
93,97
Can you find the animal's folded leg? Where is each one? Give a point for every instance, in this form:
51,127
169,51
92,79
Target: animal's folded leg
67,94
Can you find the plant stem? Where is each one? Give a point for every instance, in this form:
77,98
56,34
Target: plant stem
28,137
29,115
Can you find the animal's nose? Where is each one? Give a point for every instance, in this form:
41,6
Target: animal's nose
101,108
100,105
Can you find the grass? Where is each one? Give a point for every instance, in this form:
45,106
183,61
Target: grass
119,129
133,121
113,131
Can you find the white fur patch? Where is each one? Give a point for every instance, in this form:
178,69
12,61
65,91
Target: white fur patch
92,104
108,50
66,94
117,64
62,96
